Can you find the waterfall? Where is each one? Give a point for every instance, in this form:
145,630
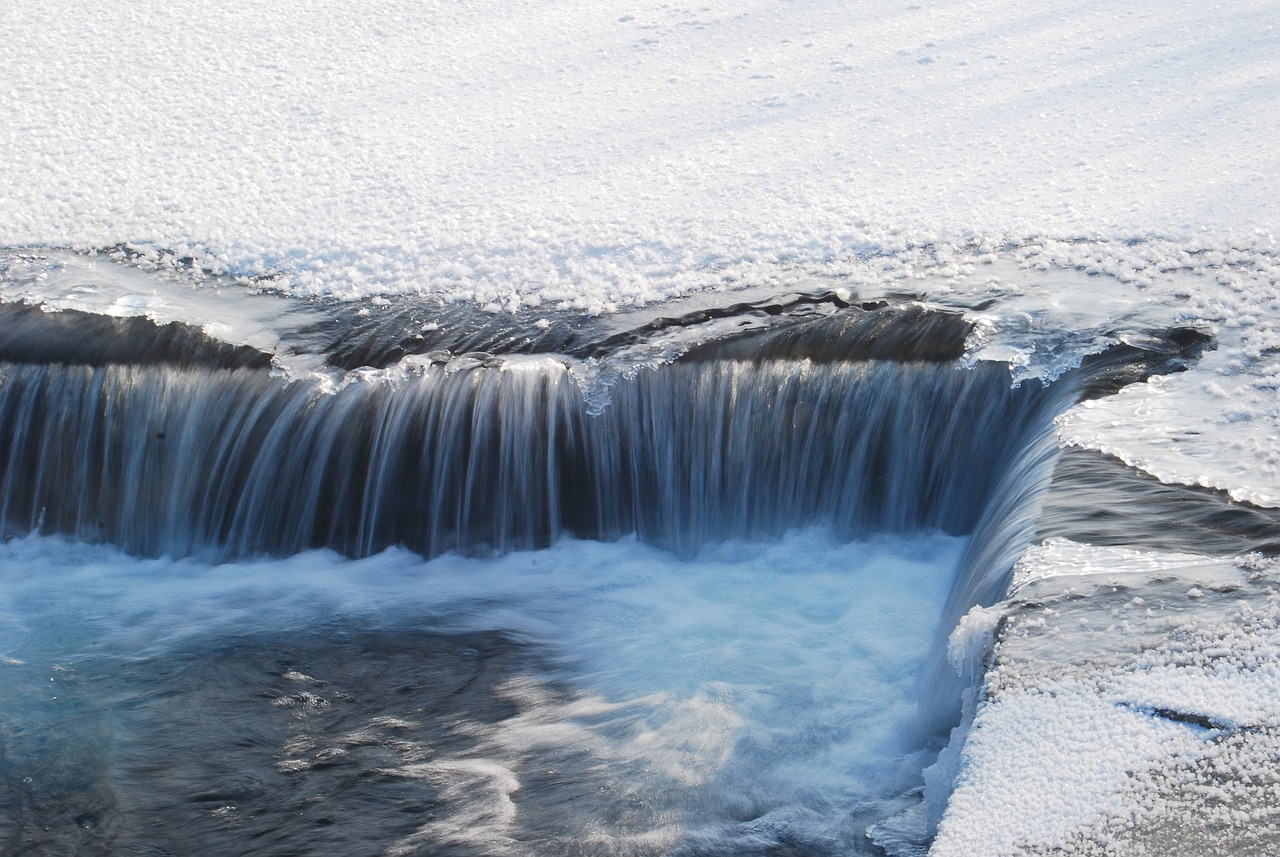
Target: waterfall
755,521
484,456
1009,523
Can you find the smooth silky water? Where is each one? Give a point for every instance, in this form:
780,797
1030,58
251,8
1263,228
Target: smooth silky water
498,605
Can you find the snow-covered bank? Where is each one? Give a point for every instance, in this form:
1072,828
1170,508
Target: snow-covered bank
599,154
1131,706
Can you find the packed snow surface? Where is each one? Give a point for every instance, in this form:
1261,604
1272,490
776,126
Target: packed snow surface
603,153
1132,707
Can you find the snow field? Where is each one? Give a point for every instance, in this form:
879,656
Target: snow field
598,155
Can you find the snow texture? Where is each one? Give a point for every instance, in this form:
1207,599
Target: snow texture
597,154
605,155
1131,708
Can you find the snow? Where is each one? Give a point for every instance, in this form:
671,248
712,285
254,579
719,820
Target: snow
1113,722
600,154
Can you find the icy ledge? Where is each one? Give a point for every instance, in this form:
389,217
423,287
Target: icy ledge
1131,706
1045,305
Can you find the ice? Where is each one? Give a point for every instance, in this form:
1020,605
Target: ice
972,639
1044,309
60,280
1219,425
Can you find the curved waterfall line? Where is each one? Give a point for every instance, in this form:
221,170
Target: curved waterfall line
170,460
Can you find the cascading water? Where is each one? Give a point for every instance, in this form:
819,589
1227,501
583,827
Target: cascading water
472,457
564,608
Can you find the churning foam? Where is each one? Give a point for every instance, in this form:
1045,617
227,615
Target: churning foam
758,692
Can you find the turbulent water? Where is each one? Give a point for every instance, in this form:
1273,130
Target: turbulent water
589,698
672,590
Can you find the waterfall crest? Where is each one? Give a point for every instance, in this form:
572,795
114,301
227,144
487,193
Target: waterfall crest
490,455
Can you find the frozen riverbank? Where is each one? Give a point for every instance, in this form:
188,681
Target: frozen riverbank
1129,707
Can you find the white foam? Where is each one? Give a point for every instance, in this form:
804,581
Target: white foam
785,671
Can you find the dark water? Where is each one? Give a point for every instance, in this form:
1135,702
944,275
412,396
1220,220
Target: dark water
234,748
1099,500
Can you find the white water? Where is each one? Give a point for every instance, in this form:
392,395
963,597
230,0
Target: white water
777,676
